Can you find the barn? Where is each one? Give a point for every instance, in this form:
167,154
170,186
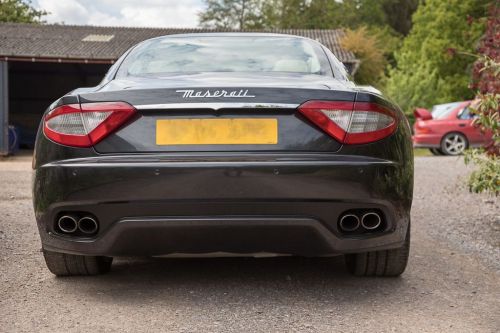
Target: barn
40,63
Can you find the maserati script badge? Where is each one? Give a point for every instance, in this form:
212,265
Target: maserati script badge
191,93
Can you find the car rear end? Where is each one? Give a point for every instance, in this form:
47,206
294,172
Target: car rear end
427,134
281,169
154,197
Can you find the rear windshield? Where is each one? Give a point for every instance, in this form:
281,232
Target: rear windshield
225,54
442,111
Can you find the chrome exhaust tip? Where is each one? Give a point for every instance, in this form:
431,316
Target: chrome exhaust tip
371,221
67,224
88,225
349,222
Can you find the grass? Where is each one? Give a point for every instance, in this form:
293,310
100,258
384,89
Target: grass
422,152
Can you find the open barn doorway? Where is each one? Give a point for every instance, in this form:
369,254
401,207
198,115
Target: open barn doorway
33,86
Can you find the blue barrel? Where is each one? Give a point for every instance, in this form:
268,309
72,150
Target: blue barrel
13,139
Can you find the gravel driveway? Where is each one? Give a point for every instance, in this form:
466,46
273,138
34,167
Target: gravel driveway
452,283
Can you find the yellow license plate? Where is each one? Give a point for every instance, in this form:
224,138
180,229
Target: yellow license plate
237,131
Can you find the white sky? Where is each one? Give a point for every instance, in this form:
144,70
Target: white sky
138,13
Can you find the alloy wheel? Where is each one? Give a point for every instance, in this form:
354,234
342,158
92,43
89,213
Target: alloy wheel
454,144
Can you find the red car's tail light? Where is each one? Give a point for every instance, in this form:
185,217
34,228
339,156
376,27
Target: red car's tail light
422,129
349,122
84,125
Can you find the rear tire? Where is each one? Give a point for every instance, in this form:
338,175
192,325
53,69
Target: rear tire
436,151
63,264
380,263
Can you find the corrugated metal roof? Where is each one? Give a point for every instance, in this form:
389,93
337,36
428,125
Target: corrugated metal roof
54,42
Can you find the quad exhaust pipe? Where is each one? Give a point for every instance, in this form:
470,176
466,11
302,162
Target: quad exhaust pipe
351,222
87,225
371,221
67,224
70,224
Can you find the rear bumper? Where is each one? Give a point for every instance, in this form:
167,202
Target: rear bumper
274,203
427,140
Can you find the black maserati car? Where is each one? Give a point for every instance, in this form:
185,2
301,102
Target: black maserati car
224,144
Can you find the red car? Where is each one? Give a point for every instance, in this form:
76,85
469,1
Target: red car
447,129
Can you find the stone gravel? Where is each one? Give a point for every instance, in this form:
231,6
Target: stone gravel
452,283
470,222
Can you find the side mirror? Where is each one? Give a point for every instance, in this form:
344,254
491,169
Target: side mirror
422,114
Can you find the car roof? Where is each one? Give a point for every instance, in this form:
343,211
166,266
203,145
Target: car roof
231,34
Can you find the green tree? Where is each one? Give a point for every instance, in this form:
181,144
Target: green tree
426,74
300,14
20,11
398,14
328,14
356,13
232,14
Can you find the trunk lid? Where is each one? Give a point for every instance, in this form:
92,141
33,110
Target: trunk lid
183,102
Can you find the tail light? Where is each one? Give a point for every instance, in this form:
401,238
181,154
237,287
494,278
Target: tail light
349,122
84,125
421,128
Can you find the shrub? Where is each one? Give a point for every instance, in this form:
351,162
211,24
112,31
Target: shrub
369,51
486,79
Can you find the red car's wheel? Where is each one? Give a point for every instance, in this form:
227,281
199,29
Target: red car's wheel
436,151
454,144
